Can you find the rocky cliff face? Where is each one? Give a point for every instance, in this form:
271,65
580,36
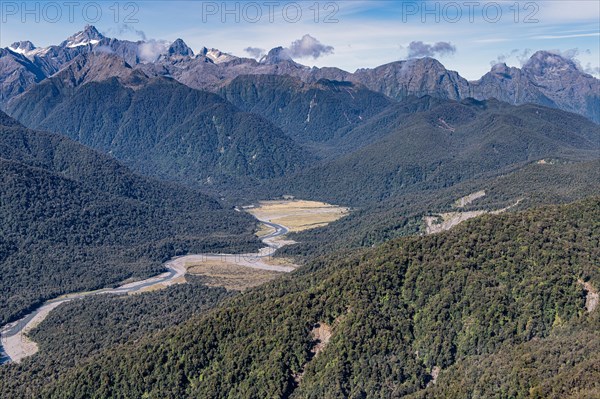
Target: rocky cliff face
508,84
16,73
22,47
97,67
546,79
180,48
416,77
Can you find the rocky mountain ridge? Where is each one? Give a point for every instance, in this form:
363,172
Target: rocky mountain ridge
546,79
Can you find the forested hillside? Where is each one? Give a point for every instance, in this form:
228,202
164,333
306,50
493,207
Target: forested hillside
77,330
374,149
318,115
540,183
398,315
533,369
163,129
449,142
73,220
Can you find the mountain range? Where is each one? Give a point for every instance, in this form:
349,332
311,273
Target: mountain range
116,156
286,123
546,78
157,125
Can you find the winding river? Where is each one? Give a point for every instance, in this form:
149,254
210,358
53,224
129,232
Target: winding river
15,346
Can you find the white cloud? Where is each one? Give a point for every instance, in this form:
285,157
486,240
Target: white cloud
123,29
595,71
150,50
419,49
308,46
255,52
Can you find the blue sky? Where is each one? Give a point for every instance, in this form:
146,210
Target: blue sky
362,33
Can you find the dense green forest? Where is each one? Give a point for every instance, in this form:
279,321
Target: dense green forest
565,364
163,129
74,219
80,329
319,115
447,143
490,288
554,182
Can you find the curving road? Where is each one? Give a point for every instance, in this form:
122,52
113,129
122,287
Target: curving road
15,347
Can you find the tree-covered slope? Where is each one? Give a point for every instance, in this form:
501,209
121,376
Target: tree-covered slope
77,330
445,144
563,365
162,128
317,114
74,219
550,182
396,313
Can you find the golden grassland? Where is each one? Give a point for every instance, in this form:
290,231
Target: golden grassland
230,275
298,215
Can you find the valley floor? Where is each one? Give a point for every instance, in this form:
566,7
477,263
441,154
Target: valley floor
223,267
18,346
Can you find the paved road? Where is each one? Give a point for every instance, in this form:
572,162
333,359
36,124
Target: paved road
174,268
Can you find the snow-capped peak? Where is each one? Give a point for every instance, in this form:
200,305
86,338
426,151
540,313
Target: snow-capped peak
89,35
22,47
27,49
216,55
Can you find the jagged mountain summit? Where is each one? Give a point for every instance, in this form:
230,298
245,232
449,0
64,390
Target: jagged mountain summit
414,77
178,47
276,56
546,79
23,47
216,55
89,36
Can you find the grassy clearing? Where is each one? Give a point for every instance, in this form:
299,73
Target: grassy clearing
298,215
230,275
